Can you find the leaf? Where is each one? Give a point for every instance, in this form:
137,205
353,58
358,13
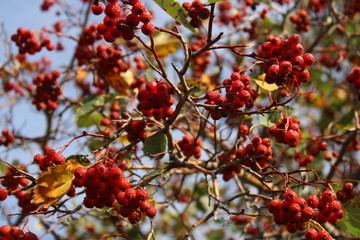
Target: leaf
347,118
82,159
264,85
267,118
164,44
176,11
52,186
215,234
89,120
352,217
121,82
155,144
215,1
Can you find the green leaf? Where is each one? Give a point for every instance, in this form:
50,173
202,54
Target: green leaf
266,119
89,120
95,144
347,118
215,234
176,11
215,1
155,144
352,217
82,159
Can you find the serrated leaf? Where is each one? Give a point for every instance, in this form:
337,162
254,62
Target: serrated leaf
260,81
176,11
155,144
352,217
52,186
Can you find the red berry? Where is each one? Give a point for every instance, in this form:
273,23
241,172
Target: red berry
3,194
97,9
151,212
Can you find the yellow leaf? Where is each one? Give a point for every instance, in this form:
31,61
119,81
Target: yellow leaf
261,83
164,44
52,186
121,82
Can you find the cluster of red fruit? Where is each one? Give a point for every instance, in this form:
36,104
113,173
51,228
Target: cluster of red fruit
83,53
202,61
197,11
227,16
313,234
287,131
50,159
294,211
6,138
351,8
290,64
156,100
47,91
317,5
118,22
190,147
301,21
9,86
15,233
354,77
27,42
105,183
109,60
346,193
136,130
46,4
238,94
257,154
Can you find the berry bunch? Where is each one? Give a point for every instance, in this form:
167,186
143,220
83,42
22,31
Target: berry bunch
317,5
257,154
315,147
354,77
301,21
156,100
109,60
290,64
47,4
197,12
47,91
15,233
202,61
117,23
50,159
105,183
226,16
294,211
9,86
230,171
346,193
313,234
287,131
6,138
13,180
83,52
189,146
238,94
136,130
351,8
27,42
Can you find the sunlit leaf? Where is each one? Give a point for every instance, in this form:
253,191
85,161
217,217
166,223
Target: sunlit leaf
260,81
176,11
52,186
155,144
164,44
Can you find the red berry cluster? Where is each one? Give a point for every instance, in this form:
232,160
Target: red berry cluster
238,94
190,147
15,233
202,61
156,100
226,16
9,86
346,193
301,21
83,52
257,154
294,211
46,4
50,159
6,138
229,172
317,5
105,183
287,131
290,64
12,179
47,91
351,8
313,234
117,23
109,60
136,130
354,77
197,12
27,42
315,147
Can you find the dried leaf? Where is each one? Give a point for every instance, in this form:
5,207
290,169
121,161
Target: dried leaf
52,186
121,82
164,44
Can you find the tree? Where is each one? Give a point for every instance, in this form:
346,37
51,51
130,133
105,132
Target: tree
232,120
